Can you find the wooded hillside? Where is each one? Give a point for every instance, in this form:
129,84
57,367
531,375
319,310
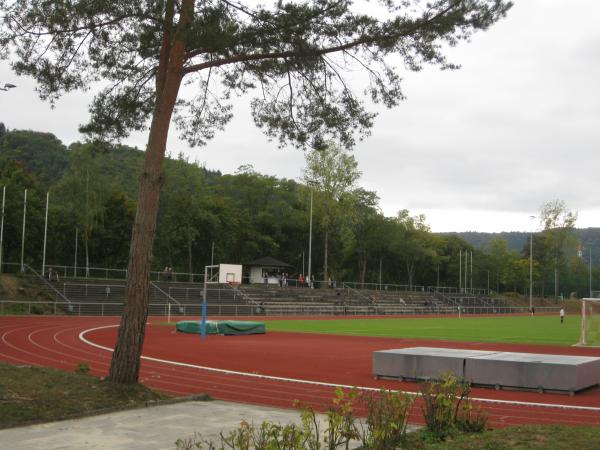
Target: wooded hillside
249,215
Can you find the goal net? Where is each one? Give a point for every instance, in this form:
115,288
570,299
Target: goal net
590,322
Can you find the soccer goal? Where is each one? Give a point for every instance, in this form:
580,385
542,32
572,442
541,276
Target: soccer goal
590,322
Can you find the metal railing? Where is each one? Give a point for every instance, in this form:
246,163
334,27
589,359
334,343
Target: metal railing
14,307
165,294
121,274
46,283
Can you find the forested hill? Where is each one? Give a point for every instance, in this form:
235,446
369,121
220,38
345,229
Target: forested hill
516,240
93,189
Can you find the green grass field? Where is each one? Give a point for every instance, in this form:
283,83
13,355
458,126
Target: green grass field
509,329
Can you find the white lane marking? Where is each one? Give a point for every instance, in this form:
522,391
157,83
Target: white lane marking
324,384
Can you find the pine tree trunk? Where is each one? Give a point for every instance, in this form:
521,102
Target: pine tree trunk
125,364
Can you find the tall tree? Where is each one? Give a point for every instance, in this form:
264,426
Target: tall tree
333,172
558,223
298,54
413,243
83,192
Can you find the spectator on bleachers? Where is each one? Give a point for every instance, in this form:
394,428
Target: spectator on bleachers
52,275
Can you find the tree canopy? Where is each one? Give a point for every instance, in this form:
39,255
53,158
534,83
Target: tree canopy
298,56
295,56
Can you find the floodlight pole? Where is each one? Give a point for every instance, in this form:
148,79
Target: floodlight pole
45,235
203,325
531,266
23,232
590,260
75,262
471,271
466,269
309,279
460,270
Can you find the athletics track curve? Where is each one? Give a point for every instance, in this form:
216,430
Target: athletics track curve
273,369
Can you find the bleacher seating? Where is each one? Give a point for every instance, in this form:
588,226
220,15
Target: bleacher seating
89,296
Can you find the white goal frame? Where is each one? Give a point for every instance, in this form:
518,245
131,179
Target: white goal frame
584,314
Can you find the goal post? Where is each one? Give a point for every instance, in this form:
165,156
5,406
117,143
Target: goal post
590,322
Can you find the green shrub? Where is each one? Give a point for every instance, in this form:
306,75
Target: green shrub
387,420
340,422
447,407
447,410
268,436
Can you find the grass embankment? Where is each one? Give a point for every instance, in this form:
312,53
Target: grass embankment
15,289
33,394
507,329
519,438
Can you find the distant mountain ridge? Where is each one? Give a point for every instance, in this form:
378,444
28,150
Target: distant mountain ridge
589,238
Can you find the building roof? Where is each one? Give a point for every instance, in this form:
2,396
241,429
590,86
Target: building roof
267,261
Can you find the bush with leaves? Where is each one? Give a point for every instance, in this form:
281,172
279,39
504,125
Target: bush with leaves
266,437
387,419
447,407
340,422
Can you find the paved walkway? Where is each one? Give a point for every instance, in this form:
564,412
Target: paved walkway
152,428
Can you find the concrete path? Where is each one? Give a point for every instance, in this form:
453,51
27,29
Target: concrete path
151,428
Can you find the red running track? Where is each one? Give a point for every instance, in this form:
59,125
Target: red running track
273,369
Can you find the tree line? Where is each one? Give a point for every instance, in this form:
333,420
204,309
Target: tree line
207,216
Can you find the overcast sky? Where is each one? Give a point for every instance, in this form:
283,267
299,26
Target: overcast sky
478,149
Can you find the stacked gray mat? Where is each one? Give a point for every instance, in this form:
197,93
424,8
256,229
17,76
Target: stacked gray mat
499,369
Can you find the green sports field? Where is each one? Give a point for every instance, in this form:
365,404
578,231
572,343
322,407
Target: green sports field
509,329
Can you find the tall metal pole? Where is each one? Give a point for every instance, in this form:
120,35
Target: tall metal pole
590,272
2,227
380,269
471,271
23,233
212,254
203,323
45,235
531,265
75,262
460,270
309,279
466,269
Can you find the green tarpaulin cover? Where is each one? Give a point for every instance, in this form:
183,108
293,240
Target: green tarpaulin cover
227,327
